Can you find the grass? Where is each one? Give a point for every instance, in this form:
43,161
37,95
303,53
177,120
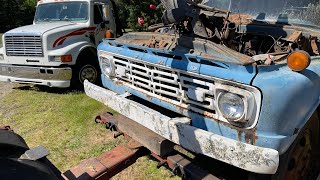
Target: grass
1,38
63,122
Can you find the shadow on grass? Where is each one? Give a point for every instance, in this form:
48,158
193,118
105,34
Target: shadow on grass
47,89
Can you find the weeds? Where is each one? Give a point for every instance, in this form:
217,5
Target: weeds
63,122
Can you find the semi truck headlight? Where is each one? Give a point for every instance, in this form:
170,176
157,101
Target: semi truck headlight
231,106
1,57
107,66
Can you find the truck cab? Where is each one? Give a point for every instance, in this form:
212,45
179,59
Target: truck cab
59,48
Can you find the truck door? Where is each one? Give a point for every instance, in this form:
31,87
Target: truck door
104,20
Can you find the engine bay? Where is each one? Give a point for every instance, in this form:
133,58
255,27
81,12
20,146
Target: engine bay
240,32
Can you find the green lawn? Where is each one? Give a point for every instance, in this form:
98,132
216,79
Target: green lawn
63,122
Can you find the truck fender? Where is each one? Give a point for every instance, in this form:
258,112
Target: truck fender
92,49
74,49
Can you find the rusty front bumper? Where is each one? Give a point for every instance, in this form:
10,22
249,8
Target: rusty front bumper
178,130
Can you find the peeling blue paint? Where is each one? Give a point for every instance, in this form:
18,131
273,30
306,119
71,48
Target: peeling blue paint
289,98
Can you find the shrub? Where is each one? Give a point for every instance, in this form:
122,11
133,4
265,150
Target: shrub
130,10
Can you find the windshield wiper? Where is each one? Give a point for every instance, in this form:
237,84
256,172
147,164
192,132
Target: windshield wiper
46,19
66,19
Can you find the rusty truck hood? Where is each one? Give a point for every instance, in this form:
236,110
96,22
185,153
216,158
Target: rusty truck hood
173,53
179,45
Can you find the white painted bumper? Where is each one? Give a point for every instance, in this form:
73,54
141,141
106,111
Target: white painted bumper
178,130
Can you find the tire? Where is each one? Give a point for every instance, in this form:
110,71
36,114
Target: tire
301,161
85,69
289,164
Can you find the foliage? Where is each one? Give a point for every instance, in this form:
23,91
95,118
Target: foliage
1,39
29,4
16,13
129,12
21,12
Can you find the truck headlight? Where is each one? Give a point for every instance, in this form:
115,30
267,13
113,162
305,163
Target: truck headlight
1,57
231,106
237,104
107,66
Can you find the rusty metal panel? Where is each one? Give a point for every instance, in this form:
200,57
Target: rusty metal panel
141,134
108,164
178,130
295,36
188,169
88,169
201,46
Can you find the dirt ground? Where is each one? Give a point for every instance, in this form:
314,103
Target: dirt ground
5,89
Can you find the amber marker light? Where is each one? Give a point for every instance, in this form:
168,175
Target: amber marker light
298,60
66,58
108,34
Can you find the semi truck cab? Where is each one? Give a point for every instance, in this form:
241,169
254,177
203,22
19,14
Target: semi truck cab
59,48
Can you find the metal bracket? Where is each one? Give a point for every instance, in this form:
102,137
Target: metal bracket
35,153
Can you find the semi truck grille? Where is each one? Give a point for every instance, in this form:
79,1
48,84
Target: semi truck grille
27,45
178,87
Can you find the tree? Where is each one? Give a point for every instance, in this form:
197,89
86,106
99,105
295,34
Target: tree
28,7
130,10
10,10
21,12
16,13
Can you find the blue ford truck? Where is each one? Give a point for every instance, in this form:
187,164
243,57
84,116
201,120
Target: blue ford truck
235,81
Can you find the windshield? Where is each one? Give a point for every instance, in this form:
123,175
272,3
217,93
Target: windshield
62,11
281,11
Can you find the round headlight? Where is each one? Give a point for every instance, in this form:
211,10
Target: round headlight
231,106
106,65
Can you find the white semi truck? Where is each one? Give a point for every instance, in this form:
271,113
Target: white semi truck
59,48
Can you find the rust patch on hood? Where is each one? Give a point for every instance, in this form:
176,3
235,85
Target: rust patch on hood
240,18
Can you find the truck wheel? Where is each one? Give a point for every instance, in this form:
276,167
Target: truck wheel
302,158
85,70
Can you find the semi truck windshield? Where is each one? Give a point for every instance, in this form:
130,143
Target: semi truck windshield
62,11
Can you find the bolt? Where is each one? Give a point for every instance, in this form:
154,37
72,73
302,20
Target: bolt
193,68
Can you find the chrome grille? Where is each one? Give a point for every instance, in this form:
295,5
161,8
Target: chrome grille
23,45
181,88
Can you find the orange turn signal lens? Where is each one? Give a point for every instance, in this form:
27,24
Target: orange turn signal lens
108,34
66,58
298,60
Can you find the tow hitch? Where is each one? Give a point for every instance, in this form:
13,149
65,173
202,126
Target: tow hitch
141,142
